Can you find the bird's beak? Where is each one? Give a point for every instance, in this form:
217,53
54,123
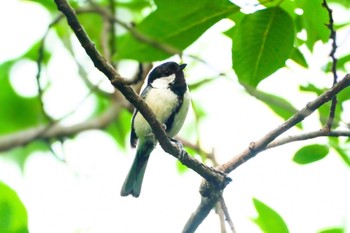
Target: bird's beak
182,66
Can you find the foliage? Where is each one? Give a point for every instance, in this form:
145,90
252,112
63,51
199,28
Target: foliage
263,42
310,153
12,211
269,220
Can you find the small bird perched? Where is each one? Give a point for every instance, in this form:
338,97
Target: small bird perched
167,95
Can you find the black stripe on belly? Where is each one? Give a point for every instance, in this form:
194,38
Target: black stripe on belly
170,121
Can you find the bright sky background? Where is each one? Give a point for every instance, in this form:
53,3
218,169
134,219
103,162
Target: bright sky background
83,194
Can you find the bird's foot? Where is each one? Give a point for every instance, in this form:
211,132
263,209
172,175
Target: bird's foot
164,126
179,145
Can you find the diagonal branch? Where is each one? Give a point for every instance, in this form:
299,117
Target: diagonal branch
256,147
121,84
55,130
212,188
333,37
211,197
307,136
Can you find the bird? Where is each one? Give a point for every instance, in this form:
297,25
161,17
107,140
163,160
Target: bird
167,95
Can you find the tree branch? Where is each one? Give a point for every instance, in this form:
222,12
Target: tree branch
211,196
200,214
133,31
210,174
333,37
256,147
309,135
55,130
212,187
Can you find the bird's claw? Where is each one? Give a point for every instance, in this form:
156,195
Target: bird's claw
179,145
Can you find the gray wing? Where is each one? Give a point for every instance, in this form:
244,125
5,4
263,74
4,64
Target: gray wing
133,136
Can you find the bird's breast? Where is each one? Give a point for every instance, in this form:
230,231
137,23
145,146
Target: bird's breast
162,101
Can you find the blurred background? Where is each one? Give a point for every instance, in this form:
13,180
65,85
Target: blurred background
70,181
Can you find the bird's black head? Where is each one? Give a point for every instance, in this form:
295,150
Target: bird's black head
165,70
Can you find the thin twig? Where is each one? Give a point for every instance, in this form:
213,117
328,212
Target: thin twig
55,130
112,32
256,147
333,37
133,31
227,214
221,214
39,62
216,181
211,197
308,136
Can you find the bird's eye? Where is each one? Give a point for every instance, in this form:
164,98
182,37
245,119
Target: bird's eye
166,72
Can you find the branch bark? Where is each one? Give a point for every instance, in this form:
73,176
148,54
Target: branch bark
215,181
256,147
211,197
210,174
55,130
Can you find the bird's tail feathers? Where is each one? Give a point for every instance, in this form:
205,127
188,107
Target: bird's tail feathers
133,182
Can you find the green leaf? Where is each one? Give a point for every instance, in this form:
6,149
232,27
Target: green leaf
325,108
200,83
134,5
16,112
288,6
270,3
299,58
33,53
49,5
92,24
314,20
268,219
277,104
120,129
342,61
12,211
310,154
261,43
345,3
333,230
340,149
175,23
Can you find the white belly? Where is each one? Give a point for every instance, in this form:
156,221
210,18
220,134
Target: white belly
161,102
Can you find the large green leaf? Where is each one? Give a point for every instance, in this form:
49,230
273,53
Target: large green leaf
311,153
175,23
314,20
277,104
287,5
268,219
261,44
13,215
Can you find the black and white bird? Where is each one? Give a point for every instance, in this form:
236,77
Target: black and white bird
167,95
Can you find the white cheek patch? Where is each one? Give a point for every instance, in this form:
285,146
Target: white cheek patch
163,82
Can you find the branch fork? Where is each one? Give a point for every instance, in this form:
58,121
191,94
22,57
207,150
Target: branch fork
215,179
